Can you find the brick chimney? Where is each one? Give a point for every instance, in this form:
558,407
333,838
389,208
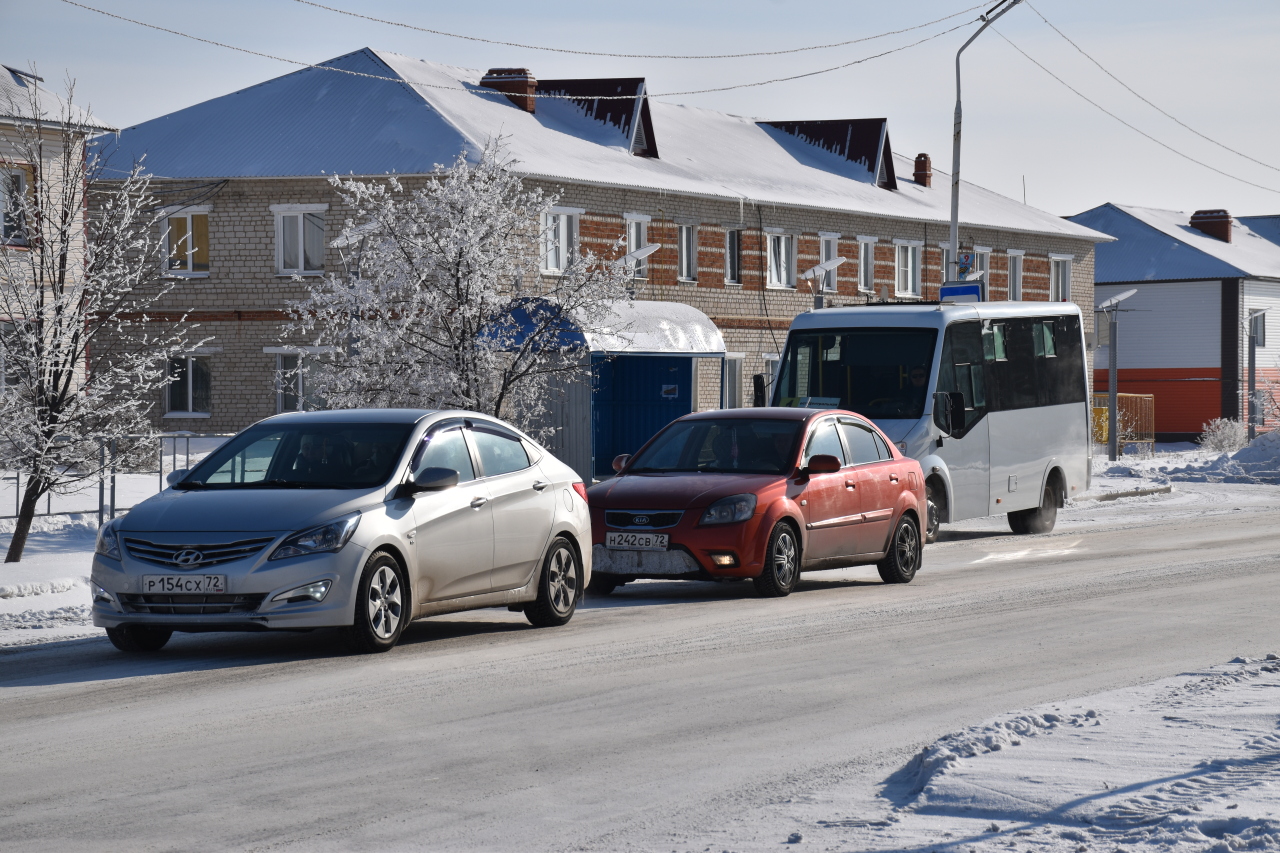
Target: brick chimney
517,83
924,170
1215,223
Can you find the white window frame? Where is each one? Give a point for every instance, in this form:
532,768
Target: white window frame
947,258
686,252
982,264
1015,273
1060,288
185,213
829,250
906,267
559,238
733,257
637,237
283,210
202,352
783,278
731,380
9,202
867,264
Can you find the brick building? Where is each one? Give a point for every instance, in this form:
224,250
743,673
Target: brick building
740,207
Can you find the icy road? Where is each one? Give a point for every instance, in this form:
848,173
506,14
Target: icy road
663,716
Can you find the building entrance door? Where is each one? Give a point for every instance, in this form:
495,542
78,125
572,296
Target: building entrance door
634,396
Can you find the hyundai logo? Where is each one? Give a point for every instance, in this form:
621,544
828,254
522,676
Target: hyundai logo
188,557
640,519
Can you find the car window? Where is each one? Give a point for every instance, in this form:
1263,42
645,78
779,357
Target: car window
445,448
823,440
746,445
499,454
885,452
308,454
861,441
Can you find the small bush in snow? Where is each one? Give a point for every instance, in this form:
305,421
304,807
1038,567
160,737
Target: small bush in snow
1224,435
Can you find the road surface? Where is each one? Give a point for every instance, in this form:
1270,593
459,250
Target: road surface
662,716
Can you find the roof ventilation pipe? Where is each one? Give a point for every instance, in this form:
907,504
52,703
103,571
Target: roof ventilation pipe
517,83
924,170
1215,223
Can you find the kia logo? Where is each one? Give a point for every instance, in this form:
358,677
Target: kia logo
189,557
640,519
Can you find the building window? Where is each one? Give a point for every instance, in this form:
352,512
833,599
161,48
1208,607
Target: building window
1015,274
947,259
189,385
867,264
687,247
638,238
290,383
731,382
982,266
559,240
1059,278
733,257
186,243
907,269
781,261
829,250
299,238
13,190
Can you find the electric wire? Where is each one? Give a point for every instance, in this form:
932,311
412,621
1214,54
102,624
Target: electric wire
636,55
1144,100
496,93
1164,145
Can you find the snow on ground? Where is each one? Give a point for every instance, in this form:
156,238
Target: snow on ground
1189,463
1188,764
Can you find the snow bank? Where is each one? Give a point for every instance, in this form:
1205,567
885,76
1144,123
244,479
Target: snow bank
1259,462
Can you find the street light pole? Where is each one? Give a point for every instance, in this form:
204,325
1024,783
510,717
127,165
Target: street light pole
987,20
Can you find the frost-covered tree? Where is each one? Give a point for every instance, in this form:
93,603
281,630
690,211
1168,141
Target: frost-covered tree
442,304
80,267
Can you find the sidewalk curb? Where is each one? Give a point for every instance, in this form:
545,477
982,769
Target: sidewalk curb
1131,493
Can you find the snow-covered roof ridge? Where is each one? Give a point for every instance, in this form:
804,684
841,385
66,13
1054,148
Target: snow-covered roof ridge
315,121
1153,244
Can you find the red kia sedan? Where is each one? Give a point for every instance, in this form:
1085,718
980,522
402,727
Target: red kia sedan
762,493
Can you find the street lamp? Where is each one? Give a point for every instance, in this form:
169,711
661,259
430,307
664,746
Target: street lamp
820,271
987,20
1257,338
1111,308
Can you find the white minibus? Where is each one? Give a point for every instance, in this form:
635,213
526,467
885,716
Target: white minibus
990,397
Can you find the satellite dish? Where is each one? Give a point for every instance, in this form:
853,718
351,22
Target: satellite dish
642,252
1116,300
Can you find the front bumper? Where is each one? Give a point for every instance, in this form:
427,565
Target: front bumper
690,548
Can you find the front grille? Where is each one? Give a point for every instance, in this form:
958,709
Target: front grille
210,555
191,605
639,519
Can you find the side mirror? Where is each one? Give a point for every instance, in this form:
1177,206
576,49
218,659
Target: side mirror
174,476
948,411
823,463
620,461
429,480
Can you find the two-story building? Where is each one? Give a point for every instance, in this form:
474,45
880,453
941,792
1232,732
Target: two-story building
741,207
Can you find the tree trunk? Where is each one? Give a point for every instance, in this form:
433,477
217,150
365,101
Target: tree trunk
30,501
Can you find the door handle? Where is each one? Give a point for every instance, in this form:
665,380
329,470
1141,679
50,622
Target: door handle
850,484
476,503
539,485
893,478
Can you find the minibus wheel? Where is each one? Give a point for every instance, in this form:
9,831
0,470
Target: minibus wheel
933,513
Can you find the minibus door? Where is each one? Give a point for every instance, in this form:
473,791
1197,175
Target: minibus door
967,451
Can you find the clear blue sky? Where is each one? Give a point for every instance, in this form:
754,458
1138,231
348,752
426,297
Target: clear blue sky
1211,64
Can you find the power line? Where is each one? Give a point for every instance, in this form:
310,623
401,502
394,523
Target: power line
636,55
1144,100
494,92
1131,127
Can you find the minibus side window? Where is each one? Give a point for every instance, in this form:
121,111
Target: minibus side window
963,369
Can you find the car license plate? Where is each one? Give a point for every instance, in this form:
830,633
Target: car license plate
635,541
185,584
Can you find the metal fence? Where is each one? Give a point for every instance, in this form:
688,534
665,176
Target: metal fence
1135,418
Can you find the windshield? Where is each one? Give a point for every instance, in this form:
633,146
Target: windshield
303,456
740,445
876,372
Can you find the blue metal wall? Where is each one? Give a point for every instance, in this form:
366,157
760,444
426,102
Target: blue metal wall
634,396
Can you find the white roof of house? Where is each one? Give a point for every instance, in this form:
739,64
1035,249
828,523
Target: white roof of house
23,96
1160,245
317,121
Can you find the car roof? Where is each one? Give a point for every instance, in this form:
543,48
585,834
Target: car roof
775,413
352,416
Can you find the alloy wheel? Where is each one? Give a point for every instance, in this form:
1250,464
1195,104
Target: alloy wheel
784,559
562,580
907,546
384,603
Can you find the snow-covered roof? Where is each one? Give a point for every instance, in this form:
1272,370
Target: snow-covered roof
1161,245
17,88
656,327
316,121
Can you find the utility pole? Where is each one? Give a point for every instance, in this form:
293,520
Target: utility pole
987,19
1257,338
1111,309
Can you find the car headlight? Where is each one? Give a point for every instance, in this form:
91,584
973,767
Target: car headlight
309,592
730,509
108,544
317,540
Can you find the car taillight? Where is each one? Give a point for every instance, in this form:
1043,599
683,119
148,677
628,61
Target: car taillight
581,489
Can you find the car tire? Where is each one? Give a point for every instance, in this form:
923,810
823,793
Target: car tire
781,563
1039,520
905,553
559,586
603,584
138,639
933,515
382,606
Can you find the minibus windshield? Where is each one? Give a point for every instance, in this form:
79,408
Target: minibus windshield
881,373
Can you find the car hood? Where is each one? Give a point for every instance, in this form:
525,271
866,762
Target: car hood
675,491
244,510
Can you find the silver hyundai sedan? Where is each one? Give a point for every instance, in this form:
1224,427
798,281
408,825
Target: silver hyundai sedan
361,519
